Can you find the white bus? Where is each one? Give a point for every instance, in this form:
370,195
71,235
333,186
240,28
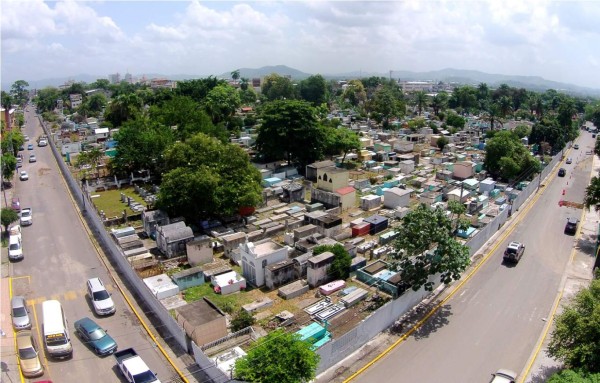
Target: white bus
55,330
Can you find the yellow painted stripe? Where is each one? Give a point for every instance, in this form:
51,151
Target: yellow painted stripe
100,256
453,292
70,295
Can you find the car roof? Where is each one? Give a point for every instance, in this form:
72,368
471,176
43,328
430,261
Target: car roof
24,339
96,284
572,220
87,324
514,244
17,301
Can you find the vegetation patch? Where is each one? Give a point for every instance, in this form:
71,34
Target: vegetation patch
110,201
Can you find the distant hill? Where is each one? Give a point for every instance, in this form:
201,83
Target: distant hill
470,77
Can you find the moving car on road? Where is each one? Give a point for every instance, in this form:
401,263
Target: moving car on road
514,251
562,172
30,147
569,160
32,158
504,376
571,226
576,146
23,176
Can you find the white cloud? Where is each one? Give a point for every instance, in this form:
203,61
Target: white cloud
556,40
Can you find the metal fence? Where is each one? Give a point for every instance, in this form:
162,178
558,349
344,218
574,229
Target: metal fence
168,325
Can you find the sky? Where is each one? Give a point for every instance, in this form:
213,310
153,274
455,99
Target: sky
557,40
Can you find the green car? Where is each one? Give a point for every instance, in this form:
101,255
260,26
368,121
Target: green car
94,336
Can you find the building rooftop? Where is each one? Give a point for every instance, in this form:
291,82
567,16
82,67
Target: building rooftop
199,312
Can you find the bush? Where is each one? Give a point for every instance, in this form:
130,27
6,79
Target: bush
241,320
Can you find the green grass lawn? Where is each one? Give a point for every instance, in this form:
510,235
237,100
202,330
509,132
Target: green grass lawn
228,303
110,201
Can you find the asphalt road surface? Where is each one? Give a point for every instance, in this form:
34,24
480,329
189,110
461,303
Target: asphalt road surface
496,318
59,258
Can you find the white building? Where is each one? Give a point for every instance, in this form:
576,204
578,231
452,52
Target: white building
396,197
257,256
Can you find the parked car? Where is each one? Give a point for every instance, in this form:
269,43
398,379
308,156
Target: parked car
571,226
30,147
15,248
514,251
94,336
19,313
29,360
26,137
15,231
569,160
32,158
22,147
15,204
576,146
101,299
562,172
504,376
23,176
42,143
26,216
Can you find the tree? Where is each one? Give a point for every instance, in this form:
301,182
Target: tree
46,99
506,157
197,89
439,102
441,142
314,90
387,105
235,75
453,119
123,108
340,267
575,340
341,140
290,130
522,131
425,246
241,320
592,194
8,216
276,87
9,164
91,157
221,102
571,376
206,178
244,83
420,101
140,145
279,357
355,93
19,92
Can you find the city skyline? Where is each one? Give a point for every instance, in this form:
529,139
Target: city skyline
553,40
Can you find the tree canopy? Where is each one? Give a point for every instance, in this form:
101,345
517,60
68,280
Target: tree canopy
206,178
340,267
276,87
279,357
426,246
571,376
314,90
290,130
575,340
8,216
507,158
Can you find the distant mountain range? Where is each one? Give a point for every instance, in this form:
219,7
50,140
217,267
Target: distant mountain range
470,77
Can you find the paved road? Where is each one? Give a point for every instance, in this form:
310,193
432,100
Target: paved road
59,258
496,318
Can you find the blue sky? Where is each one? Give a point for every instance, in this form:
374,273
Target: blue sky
557,40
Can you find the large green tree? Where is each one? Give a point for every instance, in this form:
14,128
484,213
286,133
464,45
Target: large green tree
140,146
206,178
426,246
592,194
421,100
46,99
221,102
123,108
575,340
507,158
290,131
8,216
276,87
340,267
341,140
279,357
19,92
9,165
198,89
314,90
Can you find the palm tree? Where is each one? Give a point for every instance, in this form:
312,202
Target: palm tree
420,101
492,115
244,83
592,194
235,75
505,104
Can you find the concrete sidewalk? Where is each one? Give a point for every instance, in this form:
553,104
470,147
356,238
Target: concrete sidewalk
8,358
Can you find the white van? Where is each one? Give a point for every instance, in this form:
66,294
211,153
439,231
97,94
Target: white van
55,330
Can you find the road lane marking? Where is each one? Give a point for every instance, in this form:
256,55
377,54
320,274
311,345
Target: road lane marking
462,281
550,319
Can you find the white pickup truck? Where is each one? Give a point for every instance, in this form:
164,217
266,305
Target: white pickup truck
134,368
